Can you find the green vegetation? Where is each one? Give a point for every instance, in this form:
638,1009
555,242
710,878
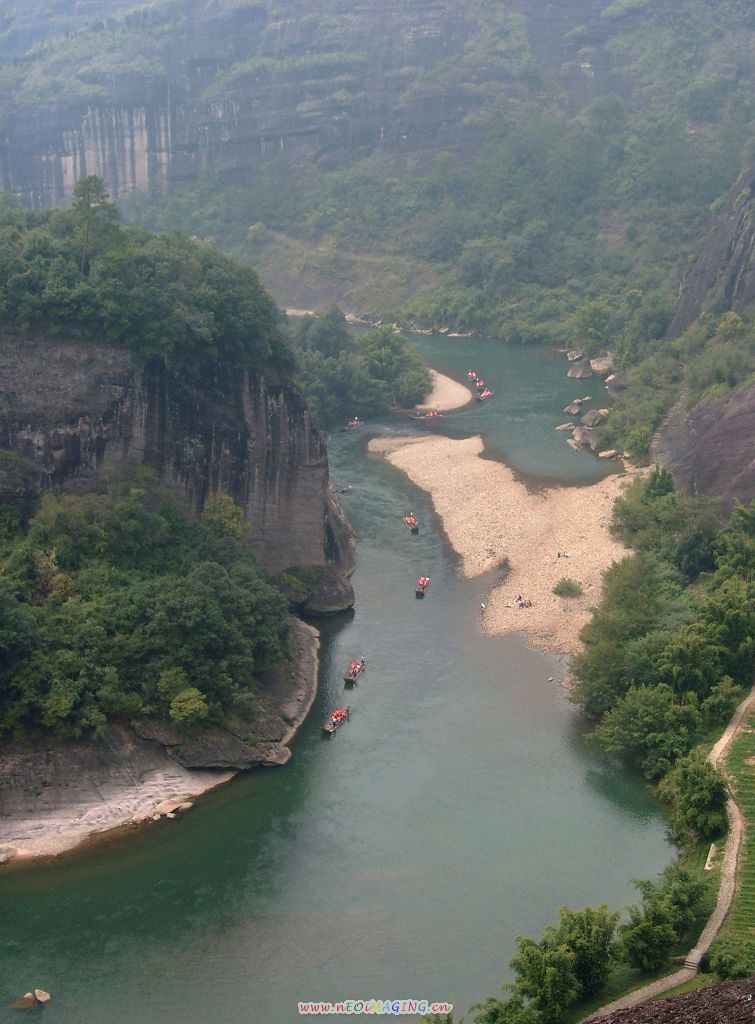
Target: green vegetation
567,973
567,587
568,227
78,270
344,376
669,652
733,953
668,656
115,606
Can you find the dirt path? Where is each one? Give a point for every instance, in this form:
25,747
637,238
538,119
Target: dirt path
726,889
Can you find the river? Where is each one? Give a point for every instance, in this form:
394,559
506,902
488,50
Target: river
460,806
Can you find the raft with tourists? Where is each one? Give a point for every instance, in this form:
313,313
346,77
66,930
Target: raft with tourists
482,392
336,720
431,414
411,522
356,668
422,584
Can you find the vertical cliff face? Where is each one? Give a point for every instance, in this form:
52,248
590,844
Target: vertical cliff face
724,275
170,92
709,447
70,410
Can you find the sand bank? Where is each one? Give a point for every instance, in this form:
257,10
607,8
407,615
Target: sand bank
490,516
56,796
446,395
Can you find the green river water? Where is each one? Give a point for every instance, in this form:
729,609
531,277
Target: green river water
460,806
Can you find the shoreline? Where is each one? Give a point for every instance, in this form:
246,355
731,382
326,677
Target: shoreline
491,519
447,395
130,781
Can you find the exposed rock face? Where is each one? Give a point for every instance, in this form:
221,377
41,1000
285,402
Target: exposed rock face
54,793
724,275
226,85
727,1003
70,409
710,449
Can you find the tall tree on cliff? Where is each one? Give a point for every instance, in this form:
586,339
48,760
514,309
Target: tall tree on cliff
95,214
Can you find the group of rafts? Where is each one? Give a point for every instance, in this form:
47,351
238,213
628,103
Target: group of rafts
341,715
356,668
481,390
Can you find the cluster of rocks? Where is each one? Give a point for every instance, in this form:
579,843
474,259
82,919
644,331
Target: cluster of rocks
32,1000
584,434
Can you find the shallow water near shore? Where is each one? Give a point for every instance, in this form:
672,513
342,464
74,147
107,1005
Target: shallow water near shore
460,806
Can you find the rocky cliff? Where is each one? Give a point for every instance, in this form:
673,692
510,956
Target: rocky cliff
170,91
709,447
724,275
71,409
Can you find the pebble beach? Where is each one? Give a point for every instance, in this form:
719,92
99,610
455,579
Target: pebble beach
492,519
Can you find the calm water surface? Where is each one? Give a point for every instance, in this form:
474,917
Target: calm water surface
458,808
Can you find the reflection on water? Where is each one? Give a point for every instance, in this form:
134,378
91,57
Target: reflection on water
458,808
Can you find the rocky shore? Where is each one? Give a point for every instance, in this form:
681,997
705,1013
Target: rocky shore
55,795
492,518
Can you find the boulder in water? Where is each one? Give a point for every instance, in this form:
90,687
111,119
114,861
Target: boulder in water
25,1002
609,453
593,418
332,593
580,370
41,996
586,437
573,407
574,354
566,426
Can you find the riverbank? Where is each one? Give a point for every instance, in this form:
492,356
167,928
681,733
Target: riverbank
447,395
493,519
57,796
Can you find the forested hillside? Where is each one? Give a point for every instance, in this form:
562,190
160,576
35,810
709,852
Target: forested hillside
538,172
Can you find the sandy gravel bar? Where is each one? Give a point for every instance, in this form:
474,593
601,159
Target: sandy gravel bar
489,515
446,395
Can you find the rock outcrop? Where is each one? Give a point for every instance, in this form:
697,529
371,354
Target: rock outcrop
57,793
726,1003
580,370
724,275
226,86
709,449
70,410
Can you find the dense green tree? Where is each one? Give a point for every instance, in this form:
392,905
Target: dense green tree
650,727
589,934
116,605
545,975
648,937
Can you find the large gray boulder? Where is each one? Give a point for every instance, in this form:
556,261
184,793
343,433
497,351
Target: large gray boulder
332,593
580,370
586,437
594,418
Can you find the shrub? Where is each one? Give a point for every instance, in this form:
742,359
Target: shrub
567,587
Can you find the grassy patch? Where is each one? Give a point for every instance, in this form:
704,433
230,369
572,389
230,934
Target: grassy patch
737,936
567,587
